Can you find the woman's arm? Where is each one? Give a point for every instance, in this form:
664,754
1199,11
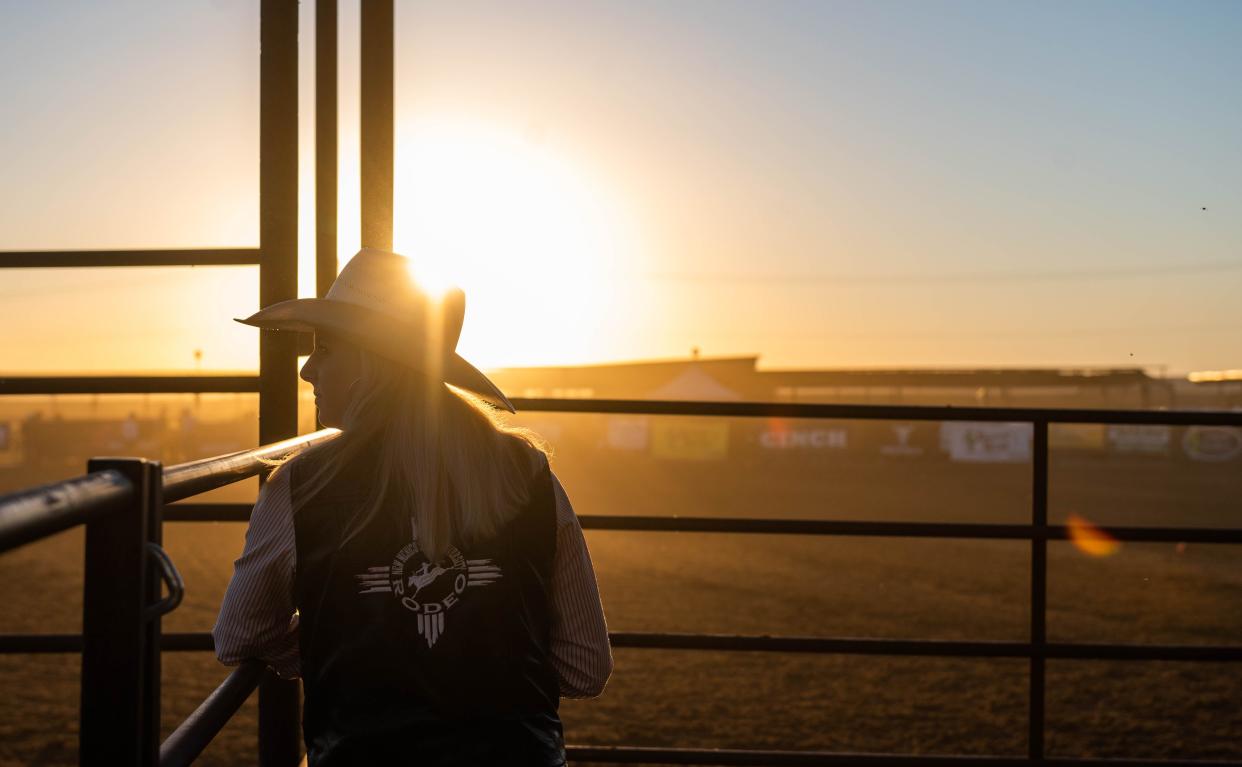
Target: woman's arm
257,618
580,649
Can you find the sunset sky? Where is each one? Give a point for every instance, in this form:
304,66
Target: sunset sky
824,184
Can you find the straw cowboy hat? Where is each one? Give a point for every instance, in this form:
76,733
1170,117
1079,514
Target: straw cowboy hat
376,303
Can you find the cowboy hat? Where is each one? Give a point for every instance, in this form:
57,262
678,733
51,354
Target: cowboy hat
378,304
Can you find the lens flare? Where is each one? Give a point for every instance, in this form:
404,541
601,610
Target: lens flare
431,277
1090,539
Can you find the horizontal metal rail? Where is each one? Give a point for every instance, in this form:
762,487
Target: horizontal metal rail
201,641
960,530
129,384
880,412
29,515
232,384
240,512
725,757
186,479
194,734
89,259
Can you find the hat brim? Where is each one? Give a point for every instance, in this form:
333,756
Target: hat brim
378,332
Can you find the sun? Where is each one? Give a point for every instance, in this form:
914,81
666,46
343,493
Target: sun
535,242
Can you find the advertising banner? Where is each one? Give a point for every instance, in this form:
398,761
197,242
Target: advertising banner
690,439
627,432
1212,444
782,434
986,442
1145,439
901,442
1077,436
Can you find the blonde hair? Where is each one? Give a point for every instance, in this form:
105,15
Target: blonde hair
447,459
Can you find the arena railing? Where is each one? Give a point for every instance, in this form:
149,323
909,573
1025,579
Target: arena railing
118,501
121,502
182,481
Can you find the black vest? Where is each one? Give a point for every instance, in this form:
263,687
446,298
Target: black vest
405,661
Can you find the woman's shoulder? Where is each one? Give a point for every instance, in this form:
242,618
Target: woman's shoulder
529,457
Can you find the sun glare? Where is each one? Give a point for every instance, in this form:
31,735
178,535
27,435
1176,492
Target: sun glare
528,236
429,274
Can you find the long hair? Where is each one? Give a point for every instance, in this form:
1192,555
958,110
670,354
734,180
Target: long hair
445,457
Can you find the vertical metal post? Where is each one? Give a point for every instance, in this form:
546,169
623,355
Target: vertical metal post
377,123
279,738
1039,588
280,715
119,715
153,508
278,212
325,144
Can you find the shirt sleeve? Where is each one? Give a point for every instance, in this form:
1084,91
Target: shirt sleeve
580,648
257,618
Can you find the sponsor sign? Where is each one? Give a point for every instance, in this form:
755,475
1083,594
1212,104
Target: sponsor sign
1147,439
781,435
1077,436
900,443
694,439
1213,444
627,433
987,442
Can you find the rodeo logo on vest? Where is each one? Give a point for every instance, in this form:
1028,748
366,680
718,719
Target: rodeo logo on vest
428,589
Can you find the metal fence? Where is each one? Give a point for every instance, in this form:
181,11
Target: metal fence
122,503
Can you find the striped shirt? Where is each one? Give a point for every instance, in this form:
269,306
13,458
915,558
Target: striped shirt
258,618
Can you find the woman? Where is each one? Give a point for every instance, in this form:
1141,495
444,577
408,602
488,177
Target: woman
444,595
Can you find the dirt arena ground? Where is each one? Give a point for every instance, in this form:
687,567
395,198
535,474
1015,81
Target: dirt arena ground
814,586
